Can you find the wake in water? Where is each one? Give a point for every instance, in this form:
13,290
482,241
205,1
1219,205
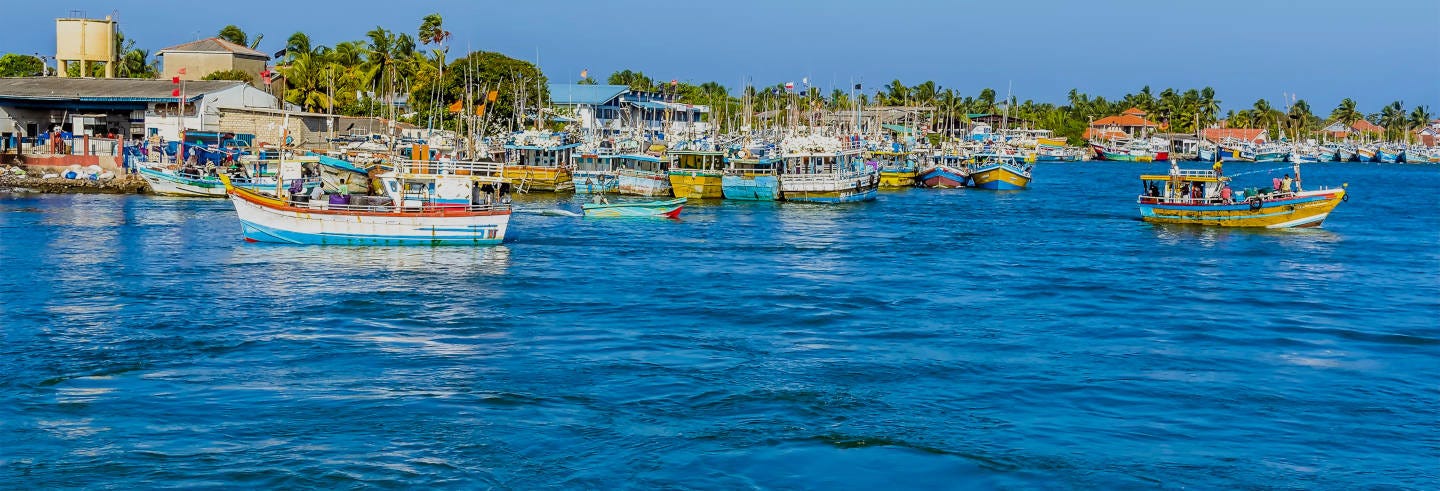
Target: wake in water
552,212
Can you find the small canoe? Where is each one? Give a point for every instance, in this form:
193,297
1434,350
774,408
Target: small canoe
667,209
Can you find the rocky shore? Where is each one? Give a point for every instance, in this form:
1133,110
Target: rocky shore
58,185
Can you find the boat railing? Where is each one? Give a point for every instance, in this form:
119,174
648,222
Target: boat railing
450,167
385,205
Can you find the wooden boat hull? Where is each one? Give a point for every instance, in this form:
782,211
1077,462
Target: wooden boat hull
1002,178
264,219
654,209
751,188
1307,209
595,182
1105,154
539,178
1386,157
943,177
895,179
641,183
166,183
696,184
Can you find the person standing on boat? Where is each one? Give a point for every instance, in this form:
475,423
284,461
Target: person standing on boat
1285,184
1226,195
344,188
1219,170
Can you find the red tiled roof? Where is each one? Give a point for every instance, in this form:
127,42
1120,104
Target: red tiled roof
1364,126
1099,134
1122,120
1247,134
1134,111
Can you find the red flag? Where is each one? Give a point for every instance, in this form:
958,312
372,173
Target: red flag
182,70
175,80
174,92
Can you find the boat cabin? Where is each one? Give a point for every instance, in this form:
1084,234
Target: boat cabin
697,160
1190,186
640,163
540,156
893,161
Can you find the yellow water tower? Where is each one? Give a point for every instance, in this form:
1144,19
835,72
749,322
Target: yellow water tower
84,41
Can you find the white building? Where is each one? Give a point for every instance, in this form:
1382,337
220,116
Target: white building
612,109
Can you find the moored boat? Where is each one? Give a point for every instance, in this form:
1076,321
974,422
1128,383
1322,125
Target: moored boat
641,175
537,161
419,208
665,209
1000,175
751,178
1200,197
897,168
823,169
696,173
595,173
945,171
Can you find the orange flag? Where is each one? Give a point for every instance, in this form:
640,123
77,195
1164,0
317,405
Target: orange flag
480,110
494,94
456,107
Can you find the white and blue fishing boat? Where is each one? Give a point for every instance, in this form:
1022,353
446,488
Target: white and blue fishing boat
595,174
1345,153
827,169
1387,155
642,175
1418,154
1364,153
420,207
647,209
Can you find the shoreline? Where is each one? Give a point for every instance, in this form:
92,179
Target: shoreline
59,185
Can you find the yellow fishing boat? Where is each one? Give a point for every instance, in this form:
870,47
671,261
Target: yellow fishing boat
697,174
1200,197
897,169
1001,174
539,162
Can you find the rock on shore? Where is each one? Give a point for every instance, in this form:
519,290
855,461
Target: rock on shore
35,184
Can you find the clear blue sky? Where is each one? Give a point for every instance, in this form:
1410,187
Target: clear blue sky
1321,50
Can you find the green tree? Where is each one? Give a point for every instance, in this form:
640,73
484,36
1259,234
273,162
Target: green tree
307,83
231,75
637,81
16,65
237,35
1419,118
1346,112
518,83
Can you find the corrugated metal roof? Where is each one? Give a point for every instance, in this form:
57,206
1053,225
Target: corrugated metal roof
588,95
651,105
213,45
104,89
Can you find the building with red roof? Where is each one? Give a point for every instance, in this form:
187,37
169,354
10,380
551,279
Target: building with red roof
1358,128
1128,124
1254,135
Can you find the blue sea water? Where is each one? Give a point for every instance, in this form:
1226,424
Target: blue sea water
930,339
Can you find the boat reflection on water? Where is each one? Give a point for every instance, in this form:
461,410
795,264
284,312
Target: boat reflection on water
355,261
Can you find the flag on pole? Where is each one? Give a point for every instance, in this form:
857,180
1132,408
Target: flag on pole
480,110
584,74
789,85
857,86
182,71
175,80
806,81
456,107
494,94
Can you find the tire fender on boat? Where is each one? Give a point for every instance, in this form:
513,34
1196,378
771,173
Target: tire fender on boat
1345,197
1256,203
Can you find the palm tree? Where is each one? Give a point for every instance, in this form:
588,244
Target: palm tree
1346,112
1392,117
236,35
1209,107
307,83
1300,116
297,45
986,101
896,93
1419,118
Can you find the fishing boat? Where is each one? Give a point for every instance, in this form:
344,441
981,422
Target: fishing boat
945,171
595,174
1048,149
1329,152
1000,174
641,175
825,169
1270,152
1124,151
696,171
664,209
1345,153
750,177
1364,153
1200,197
540,161
191,180
1386,154
897,168
1416,154
420,207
